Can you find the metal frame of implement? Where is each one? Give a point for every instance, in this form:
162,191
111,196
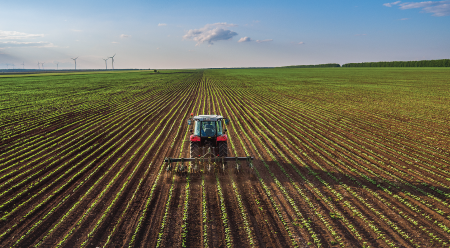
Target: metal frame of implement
219,159
208,162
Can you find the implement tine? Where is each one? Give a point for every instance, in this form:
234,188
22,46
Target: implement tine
196,164
250,163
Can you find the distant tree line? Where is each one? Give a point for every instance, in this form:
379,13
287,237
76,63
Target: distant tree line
421,63
313,66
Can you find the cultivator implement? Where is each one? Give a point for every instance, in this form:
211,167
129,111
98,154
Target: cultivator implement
208,163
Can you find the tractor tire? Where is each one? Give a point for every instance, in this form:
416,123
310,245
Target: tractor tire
223,149
195,150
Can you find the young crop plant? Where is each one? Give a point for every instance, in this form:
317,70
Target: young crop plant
204,215
185,225
244,215
166,213
228,239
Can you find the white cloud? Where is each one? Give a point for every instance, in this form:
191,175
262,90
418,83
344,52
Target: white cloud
161,24
211,33
114,42
437,8
125,36
261,41
10,44
76,30
390,4
404,19
14,35
248,39
245,39
301,43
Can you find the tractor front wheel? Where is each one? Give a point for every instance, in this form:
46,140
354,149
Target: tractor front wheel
195,150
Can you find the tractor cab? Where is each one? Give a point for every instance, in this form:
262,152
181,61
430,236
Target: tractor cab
208,126
212,128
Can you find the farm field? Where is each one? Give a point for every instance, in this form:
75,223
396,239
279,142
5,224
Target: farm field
344,157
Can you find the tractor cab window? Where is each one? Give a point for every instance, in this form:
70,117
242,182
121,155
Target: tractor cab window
219,128
208,129
197,128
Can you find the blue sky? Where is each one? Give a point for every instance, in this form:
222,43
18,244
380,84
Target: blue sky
201,34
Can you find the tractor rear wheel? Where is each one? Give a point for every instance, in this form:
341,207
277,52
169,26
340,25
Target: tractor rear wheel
195,150
223,149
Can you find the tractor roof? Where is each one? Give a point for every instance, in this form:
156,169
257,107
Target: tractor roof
208,117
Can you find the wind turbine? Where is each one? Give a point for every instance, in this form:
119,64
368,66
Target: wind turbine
57,63
75,59
13,66
7,66
42,65
112,62
23,64
39,65
106,63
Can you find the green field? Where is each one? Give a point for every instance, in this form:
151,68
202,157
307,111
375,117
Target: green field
419,93
349,157
31,100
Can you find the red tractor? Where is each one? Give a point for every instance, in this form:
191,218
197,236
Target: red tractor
208,146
